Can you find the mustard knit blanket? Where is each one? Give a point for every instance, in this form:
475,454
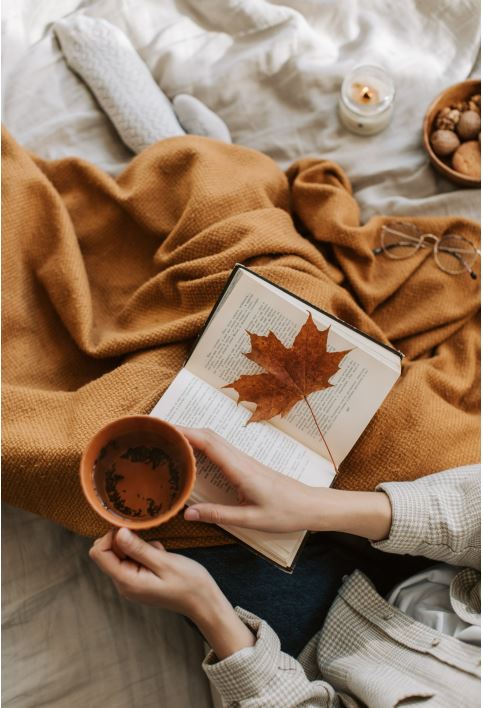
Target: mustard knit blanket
107,281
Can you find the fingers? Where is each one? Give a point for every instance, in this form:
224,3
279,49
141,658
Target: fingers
114,553
138,550
218,450
103,555
104,543
221,514
115,548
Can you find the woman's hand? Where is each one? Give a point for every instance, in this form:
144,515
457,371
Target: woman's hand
270,501
149,574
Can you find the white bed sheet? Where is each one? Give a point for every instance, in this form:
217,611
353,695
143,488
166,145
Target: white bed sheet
70,641
272,71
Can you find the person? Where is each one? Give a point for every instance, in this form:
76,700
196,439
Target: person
420,644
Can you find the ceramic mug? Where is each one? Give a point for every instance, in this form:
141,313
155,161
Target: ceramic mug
138,471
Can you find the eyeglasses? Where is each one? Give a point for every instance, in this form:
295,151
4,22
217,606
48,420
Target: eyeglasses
453,254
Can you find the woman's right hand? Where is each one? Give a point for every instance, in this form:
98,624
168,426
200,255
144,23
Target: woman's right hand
267,500
270,501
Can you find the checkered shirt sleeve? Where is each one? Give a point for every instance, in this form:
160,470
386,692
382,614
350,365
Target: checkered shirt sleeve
437,516
263,676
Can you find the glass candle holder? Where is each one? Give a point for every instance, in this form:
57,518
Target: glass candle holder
366,100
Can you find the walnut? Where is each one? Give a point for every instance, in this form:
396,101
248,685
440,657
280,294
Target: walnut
469,125
461,106
447,119
476,99
444,142
454,115
473,107
444,124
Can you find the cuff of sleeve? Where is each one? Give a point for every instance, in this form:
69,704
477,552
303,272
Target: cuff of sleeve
409,517
245,673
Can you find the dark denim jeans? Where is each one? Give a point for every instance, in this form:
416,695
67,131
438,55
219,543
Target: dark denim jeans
296,605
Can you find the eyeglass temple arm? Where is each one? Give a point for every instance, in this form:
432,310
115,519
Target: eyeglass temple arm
378,250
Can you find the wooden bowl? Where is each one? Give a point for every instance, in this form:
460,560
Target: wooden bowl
453,94
138,472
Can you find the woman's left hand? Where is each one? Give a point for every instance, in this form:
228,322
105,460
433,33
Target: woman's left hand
151,575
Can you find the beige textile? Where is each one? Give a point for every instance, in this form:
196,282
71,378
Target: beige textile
369,652
106,282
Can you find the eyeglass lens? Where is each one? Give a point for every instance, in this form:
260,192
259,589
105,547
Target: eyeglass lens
400,241
455,254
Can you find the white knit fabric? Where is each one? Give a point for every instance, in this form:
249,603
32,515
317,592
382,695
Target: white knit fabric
198,119
106,60
142,114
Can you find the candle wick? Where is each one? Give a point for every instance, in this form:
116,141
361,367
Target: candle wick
364,93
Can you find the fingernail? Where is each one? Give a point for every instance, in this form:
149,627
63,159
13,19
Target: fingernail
192,515
124,535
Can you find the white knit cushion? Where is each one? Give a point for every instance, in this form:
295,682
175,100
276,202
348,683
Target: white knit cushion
106,60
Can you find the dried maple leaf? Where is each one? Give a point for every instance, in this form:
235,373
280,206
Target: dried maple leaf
291,374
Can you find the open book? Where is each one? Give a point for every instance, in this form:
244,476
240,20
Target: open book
292,444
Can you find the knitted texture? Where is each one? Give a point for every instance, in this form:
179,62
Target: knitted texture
198,119
105,58
107,282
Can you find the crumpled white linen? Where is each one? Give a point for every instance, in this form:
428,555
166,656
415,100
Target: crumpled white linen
70,641
272,71
426,598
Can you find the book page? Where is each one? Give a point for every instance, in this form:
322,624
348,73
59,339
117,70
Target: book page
192,402
342,411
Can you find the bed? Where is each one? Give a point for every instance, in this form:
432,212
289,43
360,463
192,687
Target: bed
272,71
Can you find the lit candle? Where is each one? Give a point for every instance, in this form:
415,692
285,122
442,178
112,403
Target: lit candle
366,100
